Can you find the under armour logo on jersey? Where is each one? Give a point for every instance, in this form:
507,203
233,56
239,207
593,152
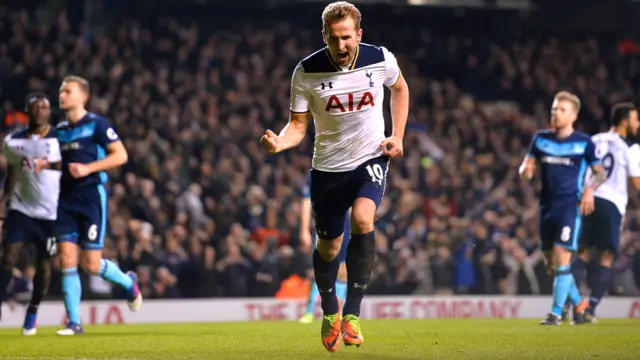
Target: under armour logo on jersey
369,75
330,86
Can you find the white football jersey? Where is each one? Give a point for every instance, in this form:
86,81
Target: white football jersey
35,195
621,160
346,104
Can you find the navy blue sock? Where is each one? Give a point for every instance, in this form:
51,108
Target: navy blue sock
577,269
360,255
326,273
5,279
600,286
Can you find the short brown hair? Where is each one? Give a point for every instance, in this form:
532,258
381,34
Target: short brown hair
570,97
82,82
338,11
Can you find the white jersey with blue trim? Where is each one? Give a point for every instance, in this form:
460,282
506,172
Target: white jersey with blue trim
35,195
621,160
346,103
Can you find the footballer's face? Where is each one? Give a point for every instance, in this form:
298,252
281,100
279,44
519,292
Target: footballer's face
563,114
634,123
39,112
71,96
342,38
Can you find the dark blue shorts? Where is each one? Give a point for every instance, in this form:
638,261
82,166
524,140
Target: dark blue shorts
601,229
560,224
333,193
19,227
342,255
82,218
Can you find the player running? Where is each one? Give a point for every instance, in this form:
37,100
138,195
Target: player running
601,230
341,283
343,87
33,201
564,154
90,146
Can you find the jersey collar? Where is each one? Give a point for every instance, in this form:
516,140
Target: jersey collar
42,134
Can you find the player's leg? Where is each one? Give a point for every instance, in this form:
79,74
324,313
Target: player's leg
371,181
93,227
578,268
590,231
566,243
12,242
341,282
312,298
329,209
71,285
602,280
610,227
43,236
41,282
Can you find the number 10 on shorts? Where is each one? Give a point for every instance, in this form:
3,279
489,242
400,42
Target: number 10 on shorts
376,173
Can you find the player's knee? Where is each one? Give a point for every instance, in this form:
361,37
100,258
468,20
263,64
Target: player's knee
362,222
561,256
362,216
90,265
10,254
584,254
342,273
329,249
606,259
68,255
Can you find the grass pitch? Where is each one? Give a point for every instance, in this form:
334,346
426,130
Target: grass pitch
384,339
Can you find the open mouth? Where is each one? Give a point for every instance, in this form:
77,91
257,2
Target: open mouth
343,56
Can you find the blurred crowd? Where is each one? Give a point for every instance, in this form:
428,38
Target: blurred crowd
200,211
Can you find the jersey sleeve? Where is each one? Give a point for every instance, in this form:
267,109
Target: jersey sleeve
53,152
533,150
634,161
12,157
393,70
299,102
590,154
104,133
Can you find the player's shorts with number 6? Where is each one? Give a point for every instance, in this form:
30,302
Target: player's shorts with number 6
82,218
333,193
560,224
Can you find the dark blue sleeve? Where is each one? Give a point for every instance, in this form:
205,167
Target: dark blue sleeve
590,154
533,150
104,134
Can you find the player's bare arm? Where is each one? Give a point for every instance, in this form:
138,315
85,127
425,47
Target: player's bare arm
599,176
290,136
116,156
527,168
636,183
392,146
305,221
